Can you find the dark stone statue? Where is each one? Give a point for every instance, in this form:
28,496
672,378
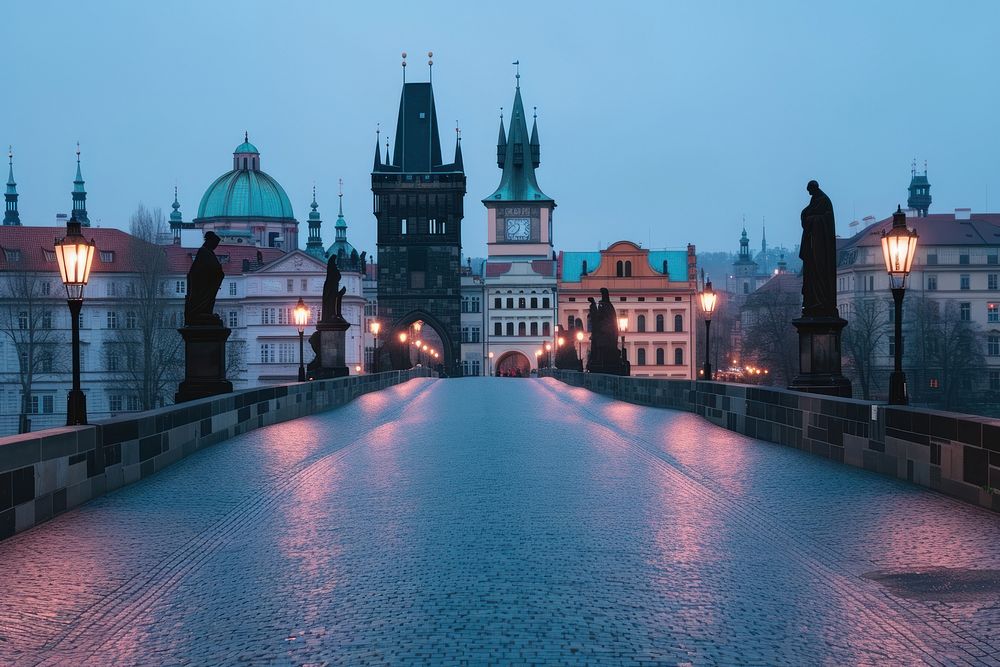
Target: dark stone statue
364,266
203,281
333,293
818,252
605,356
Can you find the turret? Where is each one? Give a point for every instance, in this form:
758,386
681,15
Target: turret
176,219
314,245
246,156
501,143
79,195
11,216
920,191
535,148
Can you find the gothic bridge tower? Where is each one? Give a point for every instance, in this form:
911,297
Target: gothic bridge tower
418,207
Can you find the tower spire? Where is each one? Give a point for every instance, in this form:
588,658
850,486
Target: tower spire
920,190
517,156
11,215
176,219
314,244
501,143
459,163
535,146
341,225
378,157
79,194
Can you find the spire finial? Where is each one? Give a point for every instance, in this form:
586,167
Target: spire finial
340,196
913,167
517,72
10,155
404,66
925,167
430,66
78,152
534,113
246,136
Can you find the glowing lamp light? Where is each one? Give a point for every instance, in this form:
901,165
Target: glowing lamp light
708,299
579,336
538,353
75,256
357,369
560,341
375,327
899,245
548,347
622,324
301,315
490,355
403,337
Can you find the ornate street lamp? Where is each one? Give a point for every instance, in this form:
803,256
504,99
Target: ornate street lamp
708,300
579,347
548,354
899,245
490,355
301,314
375,327
75,255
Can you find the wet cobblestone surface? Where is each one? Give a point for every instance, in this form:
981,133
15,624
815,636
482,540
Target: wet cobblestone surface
502,521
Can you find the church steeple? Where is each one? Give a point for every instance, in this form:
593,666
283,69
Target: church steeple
519,158
535,148
314,245
744,245
79,194
341,226
378,157
11,215
176,219
501,143
920,191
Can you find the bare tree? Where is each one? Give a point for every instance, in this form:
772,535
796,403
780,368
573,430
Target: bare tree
867,328
145,353
943,353
770,339
26,319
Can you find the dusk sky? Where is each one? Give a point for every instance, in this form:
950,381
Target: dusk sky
660,122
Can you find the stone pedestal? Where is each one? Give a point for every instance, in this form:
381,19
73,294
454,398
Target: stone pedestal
819,357
332,345
204,363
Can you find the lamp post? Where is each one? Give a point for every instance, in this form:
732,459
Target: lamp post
548,355
899,245
708,300
75,256
579,347
402,346
490,356
622,327
375,327
301,314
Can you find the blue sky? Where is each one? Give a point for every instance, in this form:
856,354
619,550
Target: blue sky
661,122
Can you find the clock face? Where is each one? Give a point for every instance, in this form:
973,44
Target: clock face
518,229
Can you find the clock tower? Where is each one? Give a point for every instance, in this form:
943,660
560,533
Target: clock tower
520,277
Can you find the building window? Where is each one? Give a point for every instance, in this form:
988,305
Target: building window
640,356
417,279
931,282
963,258
640,323
510,328
521,302
474,305
620,269
534,302
992,312
232,288
112,319
496,303
678,323
402,226
570,322
993,345
46,289
115,403
267,316
475,367
286,353
22,319
965,311
497,329
679,356
111,288
475,335
628,269
932,258
465,334
963,281
45,362
660,357
659,324
131,321
994,379
432,225
991,259
234,319
546,331
46,319
746,287
267,353
534,328
991,281
522,329
465,305
180,287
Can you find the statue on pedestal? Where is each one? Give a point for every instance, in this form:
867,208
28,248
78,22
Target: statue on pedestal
605,357
204,279
818,252
329,340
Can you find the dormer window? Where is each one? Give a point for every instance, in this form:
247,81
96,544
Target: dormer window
12,255
50,256
107,256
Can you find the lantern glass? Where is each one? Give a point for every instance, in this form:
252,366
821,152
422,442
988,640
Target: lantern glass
301,314
708,300
622,323
579,336
899,246
375,327
75,256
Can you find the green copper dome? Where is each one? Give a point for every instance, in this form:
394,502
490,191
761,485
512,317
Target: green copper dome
245,193
246,147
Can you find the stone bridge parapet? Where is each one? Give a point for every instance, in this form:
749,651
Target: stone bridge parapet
952,453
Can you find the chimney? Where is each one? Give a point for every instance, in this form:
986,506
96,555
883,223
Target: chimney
963,213
61,219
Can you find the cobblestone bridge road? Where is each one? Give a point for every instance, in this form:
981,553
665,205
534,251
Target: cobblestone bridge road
489,520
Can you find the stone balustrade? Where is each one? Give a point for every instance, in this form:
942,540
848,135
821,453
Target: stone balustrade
956,454
45,473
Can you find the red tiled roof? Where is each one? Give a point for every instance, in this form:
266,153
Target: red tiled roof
35,244
230,256
543,267
495,269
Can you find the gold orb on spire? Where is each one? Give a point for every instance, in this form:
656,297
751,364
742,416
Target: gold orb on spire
404,55
430,54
